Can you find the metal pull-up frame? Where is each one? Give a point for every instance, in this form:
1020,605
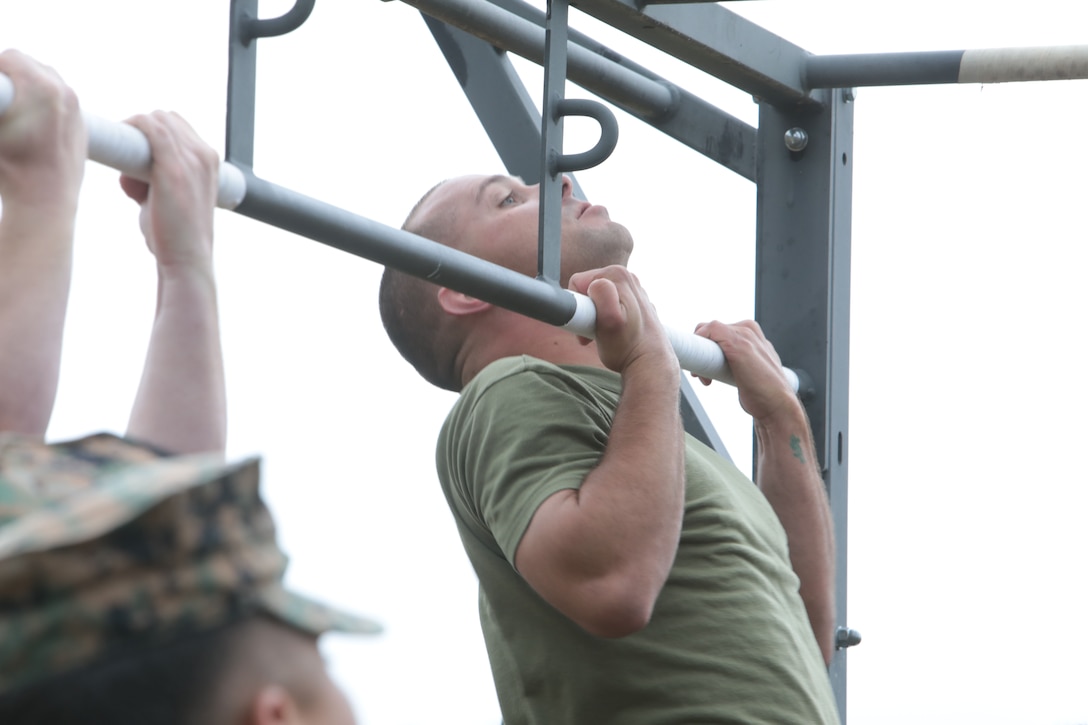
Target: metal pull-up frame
803,188
799,156
541,299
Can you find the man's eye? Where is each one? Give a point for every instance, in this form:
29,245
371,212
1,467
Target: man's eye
508,200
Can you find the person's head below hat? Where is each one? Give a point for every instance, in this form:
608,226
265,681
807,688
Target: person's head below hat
139,588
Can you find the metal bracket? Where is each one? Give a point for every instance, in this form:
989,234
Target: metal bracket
254,27
553,162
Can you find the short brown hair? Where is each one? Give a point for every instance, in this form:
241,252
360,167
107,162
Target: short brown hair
411,315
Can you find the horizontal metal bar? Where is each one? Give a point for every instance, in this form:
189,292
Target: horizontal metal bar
124,147
716,41
994,65
442,265
410,253
637,94
882,69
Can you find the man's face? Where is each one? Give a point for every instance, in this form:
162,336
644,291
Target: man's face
496,218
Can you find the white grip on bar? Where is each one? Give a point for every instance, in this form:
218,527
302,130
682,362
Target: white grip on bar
123,147
696,354
7,92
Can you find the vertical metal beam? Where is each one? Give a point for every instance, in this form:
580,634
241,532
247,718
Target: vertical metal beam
549,234
245,28
241,84
803,283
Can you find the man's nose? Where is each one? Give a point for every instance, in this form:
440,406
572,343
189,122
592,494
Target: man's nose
568,187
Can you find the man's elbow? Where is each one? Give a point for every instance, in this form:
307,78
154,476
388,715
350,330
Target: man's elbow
616,623
621,613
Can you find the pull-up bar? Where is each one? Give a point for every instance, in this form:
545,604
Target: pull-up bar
993,65
123,147
643,96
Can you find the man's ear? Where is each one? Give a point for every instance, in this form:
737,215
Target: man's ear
459,304
273,705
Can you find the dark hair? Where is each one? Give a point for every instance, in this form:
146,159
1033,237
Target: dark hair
168,684
411,315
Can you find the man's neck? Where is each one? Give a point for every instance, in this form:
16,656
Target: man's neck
538,340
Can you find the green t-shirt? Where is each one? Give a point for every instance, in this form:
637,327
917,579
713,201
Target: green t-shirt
729,640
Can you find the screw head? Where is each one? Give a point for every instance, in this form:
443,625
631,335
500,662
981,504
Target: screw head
796,139
846,637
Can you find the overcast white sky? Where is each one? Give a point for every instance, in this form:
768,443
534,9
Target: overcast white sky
968,490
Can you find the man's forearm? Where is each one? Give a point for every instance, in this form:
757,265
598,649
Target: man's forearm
789,477
638,487
35,275
181,402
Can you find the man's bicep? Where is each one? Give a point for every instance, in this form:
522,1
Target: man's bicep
516,461
540,551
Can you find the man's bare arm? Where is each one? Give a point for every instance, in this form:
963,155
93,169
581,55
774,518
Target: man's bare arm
181,401
786,469
43,146
601,554
788,476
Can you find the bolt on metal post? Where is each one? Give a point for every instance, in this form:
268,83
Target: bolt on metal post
796,139
846,637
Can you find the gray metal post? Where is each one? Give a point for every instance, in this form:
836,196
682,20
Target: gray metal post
804,178
551,142
241,84
246,27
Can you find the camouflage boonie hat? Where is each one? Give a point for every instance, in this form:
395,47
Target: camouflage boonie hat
105,542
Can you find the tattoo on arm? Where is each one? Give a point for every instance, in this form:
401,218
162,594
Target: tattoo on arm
795,446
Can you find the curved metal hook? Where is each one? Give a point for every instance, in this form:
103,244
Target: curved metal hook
610,134
271,27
